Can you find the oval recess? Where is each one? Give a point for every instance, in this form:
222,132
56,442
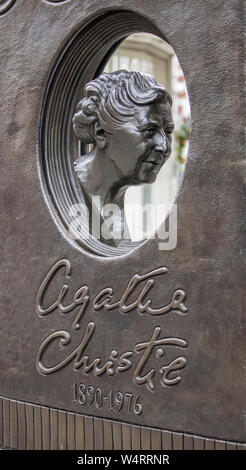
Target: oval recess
56,1
5,5
82,60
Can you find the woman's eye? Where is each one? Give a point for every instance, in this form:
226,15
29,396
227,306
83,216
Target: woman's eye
169,130
149,131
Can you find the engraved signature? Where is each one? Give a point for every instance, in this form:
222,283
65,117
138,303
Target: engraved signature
104,297
116,363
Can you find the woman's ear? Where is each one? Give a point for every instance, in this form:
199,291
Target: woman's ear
99,135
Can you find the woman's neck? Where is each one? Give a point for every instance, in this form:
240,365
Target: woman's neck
99,177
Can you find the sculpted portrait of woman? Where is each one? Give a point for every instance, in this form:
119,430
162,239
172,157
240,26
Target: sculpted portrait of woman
126,116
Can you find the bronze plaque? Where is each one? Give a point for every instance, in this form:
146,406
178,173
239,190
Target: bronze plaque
107,344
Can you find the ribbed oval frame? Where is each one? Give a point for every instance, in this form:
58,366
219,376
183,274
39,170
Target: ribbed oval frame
83,59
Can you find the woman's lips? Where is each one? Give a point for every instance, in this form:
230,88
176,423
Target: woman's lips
153,161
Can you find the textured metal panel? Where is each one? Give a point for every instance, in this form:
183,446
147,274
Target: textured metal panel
30,445
231,446
199,443
177,441
54,430
13,425
117,436
188,442
241,446
37,428
220,445
136,441
107,435
46,427
209,444
167,440
89,432
71,431
48,55
155,439
32,427
6,423
126,437
79,432
21,413
98,430
1,421
145,438
62,430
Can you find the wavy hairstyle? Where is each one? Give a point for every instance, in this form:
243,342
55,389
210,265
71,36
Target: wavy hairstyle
111,98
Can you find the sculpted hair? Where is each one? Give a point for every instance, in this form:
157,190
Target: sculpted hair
111,98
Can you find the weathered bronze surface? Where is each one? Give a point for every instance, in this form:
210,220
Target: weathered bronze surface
126,343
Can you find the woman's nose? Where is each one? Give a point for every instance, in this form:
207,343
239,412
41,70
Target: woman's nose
160,142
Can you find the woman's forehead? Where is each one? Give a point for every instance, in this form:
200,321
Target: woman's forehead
158,112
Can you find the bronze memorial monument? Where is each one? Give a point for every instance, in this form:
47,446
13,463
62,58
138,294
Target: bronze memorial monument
108,343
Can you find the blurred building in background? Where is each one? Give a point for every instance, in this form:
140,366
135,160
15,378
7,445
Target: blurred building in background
150,54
